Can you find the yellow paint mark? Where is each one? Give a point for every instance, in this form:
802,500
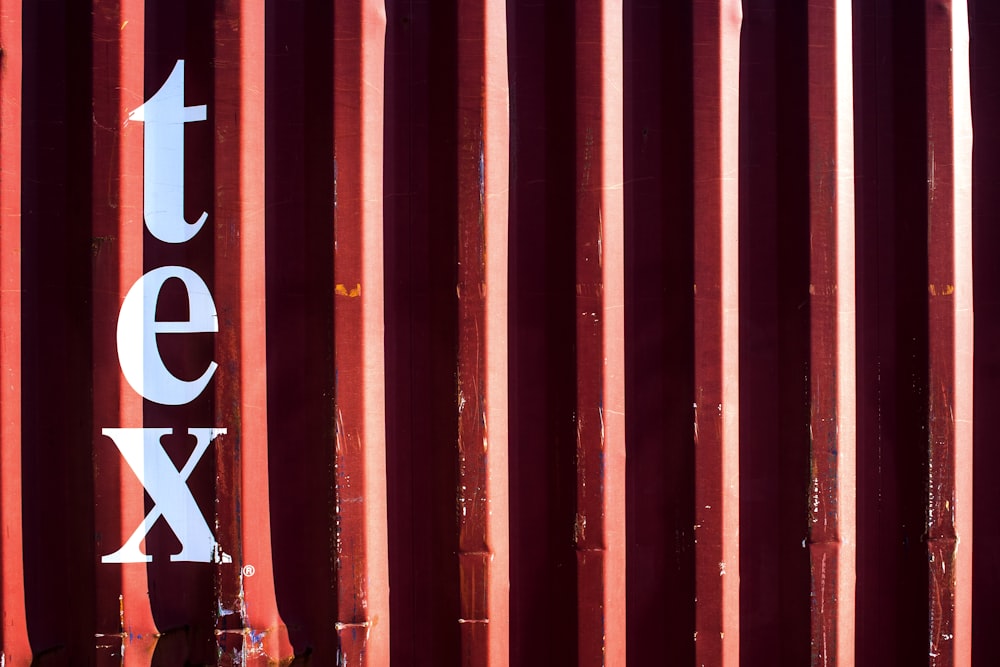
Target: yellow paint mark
125,23
946,290
343,291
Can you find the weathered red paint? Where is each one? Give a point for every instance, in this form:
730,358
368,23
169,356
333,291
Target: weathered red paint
519,559
716,353
481,372
361,548
248,599
949,312
13,631
598,529
832,380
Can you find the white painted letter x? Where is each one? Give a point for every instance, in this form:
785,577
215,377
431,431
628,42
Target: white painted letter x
171,496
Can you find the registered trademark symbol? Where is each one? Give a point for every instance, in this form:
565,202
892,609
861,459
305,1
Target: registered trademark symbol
249,570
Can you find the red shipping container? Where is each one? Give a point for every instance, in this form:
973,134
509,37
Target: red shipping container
486,333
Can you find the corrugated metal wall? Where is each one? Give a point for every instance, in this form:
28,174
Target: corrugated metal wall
439,333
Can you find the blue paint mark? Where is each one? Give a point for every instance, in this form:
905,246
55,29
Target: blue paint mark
256,638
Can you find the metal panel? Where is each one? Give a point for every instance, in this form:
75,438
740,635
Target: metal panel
949,312
13,632
599,409
481,371
833,384
892,600
543,315
361,548
246,587
481,333
716,330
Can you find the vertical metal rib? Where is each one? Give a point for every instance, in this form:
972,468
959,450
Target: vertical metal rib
362,623
246,585
716,126
482,499
832,525
14,631
949,275
599,530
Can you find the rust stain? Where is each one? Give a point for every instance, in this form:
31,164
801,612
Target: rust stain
342,290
